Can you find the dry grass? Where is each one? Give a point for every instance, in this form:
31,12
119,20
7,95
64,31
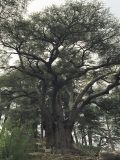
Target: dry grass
48,156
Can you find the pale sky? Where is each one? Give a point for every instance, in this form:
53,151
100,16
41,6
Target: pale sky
37,5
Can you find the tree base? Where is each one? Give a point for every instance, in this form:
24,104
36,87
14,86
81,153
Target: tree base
71,151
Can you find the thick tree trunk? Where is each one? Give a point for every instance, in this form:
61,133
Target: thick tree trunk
58,131
63,139
60,139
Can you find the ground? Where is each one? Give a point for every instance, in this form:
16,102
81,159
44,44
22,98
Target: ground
48,156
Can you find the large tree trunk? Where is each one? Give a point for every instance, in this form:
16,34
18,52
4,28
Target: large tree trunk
58,131
63,138
59,138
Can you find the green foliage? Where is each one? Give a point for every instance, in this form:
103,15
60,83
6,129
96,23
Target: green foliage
14,144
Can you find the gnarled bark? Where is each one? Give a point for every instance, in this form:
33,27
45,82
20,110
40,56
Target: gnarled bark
59,138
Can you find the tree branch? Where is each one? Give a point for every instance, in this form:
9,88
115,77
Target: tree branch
75,112
79,97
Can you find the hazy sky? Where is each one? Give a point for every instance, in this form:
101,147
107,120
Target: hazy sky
37,5
114,6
